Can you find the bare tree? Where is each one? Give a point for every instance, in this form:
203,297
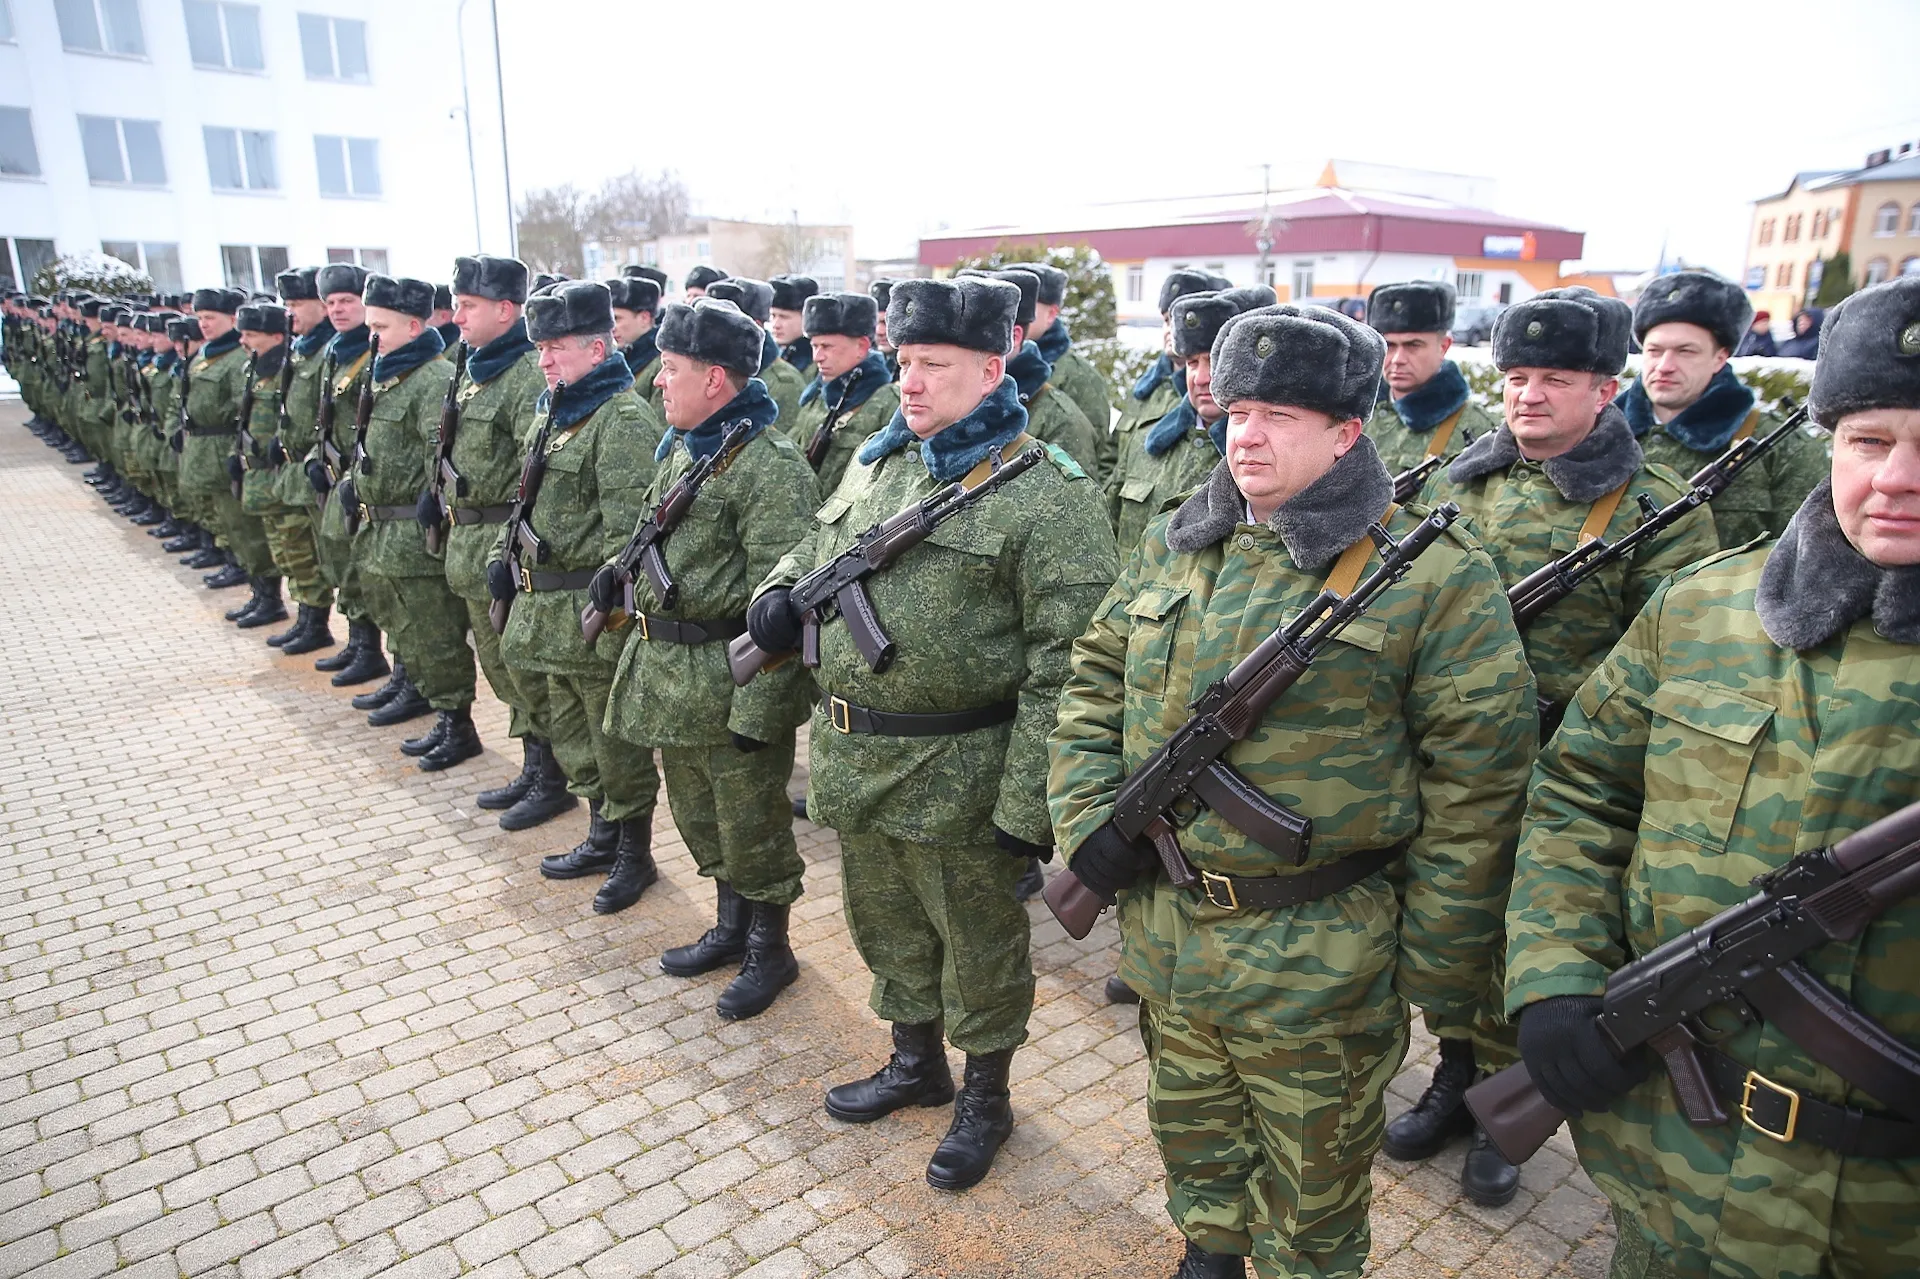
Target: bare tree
788,249
554,228
634,207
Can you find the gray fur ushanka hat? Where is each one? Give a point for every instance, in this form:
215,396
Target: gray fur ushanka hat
790,292
1198,318
713,331
261,317
753,297
1184,281
848,314
1416,306
972,311
227,300
407,296
1053,281
635,293
570,309
1304,357
640,271
340,277
1695,297
1572,328
1869,353
496,279
301,284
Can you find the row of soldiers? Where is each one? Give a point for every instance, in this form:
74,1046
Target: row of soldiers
993,636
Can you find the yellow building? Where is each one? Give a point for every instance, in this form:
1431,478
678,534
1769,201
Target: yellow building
1871,213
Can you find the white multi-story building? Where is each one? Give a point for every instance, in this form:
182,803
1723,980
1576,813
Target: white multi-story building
215,142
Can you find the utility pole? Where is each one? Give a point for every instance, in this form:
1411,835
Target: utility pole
1264,240
506,166
466,116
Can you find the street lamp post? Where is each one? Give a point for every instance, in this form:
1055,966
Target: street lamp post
466,116
506,168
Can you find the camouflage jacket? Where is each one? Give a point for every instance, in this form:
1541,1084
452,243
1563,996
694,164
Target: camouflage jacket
1702,753
1403,449
786,385
1524,521
166,391
96,397
348,378
592,498
745,518
290,483
1141,484
1764,497
262,480
406,412
1075,376
984,611
1052,417
1169,384
848,434
1415,723
496,418
213,403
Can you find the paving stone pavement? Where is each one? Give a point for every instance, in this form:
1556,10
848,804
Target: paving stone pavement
273,1002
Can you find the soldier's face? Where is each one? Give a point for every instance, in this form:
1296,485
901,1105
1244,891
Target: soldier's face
257,342
784,325
481,320
1677,362
694,294
1413,359
346,310
940,384
1551,410
307,314
690,391
1276,450
1200,387
1044,314
880,329
630,326
569,359
836,353
394,328
213,324
1876,484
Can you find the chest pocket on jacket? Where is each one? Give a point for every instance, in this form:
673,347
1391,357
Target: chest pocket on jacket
1701,745
1335,697
1154,619
971,545
1137,489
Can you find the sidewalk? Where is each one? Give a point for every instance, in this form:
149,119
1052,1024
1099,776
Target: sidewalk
273,1002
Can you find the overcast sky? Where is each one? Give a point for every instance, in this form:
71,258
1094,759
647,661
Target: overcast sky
1639,123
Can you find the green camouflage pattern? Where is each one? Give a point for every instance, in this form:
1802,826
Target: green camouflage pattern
848,435
984,611
1764,497
1142,485
731,809
337,560
213,402
743,521
525,694
1698,755
1402,449
291,486
1416,723
620,776
489,447
1137,414
1054,418
784,383
1074,375
400,429
426,625
259,494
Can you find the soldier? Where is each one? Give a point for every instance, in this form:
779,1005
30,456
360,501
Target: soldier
636,301
787,321
292,534
1273,1004
263,332
755,298
598,460
726,752
442,320
1050,416
1157,390
852,395
153,424
183,335
1561,469
1761,705
881,291
700,279
495,405
1073,373
213,403
1428,410
1687,406
933,770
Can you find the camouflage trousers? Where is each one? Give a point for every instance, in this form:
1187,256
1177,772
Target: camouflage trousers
525,696
426,626
337,566
234,530
598,766
1268,1140
290,539
939,927
731,808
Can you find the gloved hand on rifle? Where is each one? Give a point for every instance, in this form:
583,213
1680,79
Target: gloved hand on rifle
428,510
744,744
1570,1060
773,623
317,476
500,583
235,471
603,592
1013,846
1108,861
276,452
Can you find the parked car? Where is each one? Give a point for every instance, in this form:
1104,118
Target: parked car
1473,323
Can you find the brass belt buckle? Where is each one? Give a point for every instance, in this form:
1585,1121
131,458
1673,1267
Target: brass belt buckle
526,579
640,619
1793,1105
366,516
1208,879
840,713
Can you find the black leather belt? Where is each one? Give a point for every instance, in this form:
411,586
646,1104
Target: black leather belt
848,718
202,432
386,512
576,581
1786,1114
469,515
668,630
1277,892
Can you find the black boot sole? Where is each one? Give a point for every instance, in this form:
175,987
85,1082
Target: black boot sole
875,1116
448,754
586,871
1455,1127
518,818
309,644
277,614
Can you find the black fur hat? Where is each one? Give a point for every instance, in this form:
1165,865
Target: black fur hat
1695,297
443,297
1029,285
227,300
545,281
575,307
496,279
261,317
90,305
704,277
753,297
405,295
1053,281
881,290
1417,306
1186,280
850,314
1869,352
713,332
1306,357
112,313
641,271
1572,328
1198,317
632,293
790,292
340,277
184,329
973,311
299,284
1250,297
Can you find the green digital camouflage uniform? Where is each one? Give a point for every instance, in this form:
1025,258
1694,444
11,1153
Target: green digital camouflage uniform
330,529
591,500
488,450
92,404
1764,496
166,410
1075,376
849,433
730,806
1403,448
1141,484
291,517
405,585
984,611
1699,755
1057,420
149,439
289,530
1272,1035
785,384
213,410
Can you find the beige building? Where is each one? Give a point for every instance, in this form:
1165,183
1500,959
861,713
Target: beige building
1871,213
757,249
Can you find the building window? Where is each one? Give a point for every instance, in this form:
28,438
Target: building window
101,26
1136,282
348,166
1910,267
1766,232
1783,275
161,262
1819,225
6,36
1794,222
21,260
372,259
1886,219
19,158
334,48
703,249
241,159
248,266
122,152
1469,285
1756,277
224,36
1302,281
1876,272
1913,220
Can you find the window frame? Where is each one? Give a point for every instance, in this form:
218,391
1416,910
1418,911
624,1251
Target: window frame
358,257
240,154
220,8
126,155
1886,221
1879,271
333,49
1913,219
100,30
1136,282
1294,276
39,173
9,34
347,168
1460,289
256,264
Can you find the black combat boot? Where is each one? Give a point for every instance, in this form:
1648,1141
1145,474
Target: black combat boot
316,634
546,799
253,602
358,634
1201,1264
591,856
418,746
168,528
800,806
373,699
230,576
982,1122
633,869
768,969
367,664
302,618
187,539
507,796
720,945
1441,1113
458,743
268,609
1486,1176
154,517
1031,882
408,703
205,554
915,1075
1118,992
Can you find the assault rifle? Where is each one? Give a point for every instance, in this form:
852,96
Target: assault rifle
243,432
521,540
358,459
1407,484
822,438
838,587
1186,773
328,453
282,421
442,476
1747,955
1547,586
178,440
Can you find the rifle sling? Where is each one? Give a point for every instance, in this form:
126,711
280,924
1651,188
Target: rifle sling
1838,1035
1346,570
341,381
984,467
1746,427
1600,514
1443,434
1788,1114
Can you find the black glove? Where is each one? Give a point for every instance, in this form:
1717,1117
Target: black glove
772,623
276,452
1108,861
1571,1061
317,476
428,510
604,593
178,441
1014,846
500,583
746,745
235,471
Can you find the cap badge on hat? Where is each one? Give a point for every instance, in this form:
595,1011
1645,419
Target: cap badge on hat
1910,340
1263,347
1535,329
1193,321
